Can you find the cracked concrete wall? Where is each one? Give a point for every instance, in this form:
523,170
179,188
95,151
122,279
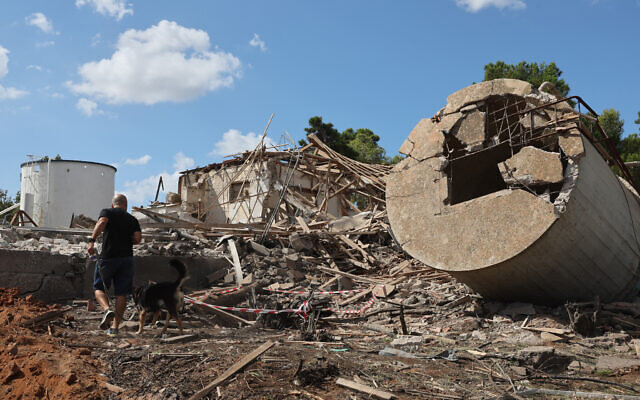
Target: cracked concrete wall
57,278
515,203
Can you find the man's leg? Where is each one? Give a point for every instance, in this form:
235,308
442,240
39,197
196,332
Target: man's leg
102,272
102,299
123,286
121,303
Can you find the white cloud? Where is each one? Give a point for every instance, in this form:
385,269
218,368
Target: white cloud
10,93
41,21
7,93
166,62
257,42
111,8
96,39
182,162
45,44
36,67
141,191
88,107
4,62
477,5
138,161
233,141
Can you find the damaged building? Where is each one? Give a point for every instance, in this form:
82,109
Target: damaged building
271,185
516,197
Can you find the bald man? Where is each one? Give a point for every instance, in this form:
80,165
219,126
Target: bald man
121,232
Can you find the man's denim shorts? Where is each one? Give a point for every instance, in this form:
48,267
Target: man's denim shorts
120,270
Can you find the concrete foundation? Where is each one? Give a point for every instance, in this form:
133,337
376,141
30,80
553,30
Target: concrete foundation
58,278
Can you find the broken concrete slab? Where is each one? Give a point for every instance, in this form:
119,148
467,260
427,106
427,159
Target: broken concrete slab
404,340
614,363
532,167
427,140
471,130
571,143
258,248
483,90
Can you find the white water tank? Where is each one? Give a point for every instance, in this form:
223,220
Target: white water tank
51,191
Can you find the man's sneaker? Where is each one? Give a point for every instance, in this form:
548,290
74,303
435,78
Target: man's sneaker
107,319
112,331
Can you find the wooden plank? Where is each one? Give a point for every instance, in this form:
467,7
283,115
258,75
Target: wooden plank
400,267
303,224
366,292
8,210
47,316
224,315
352,276
236,261
355,246
244,361
555,331
364,389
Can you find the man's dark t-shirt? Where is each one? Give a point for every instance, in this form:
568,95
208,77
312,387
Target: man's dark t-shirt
117,240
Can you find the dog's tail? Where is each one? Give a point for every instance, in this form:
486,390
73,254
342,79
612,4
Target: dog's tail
182,271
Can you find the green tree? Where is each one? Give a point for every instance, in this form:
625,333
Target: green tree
330,136
613,126
361,144
533,73
6,202
364,143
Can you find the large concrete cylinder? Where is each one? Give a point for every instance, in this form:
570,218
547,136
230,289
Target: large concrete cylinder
503,190
52,191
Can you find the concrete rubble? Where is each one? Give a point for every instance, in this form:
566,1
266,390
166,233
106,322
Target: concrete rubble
312,297
516,199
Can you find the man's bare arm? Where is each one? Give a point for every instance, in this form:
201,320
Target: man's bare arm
97,230
137,237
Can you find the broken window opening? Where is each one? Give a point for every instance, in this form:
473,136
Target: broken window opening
503,119
476,174
235,193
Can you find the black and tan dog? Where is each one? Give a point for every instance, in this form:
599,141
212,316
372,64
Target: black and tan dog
167,295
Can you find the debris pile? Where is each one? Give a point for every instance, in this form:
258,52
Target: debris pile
318,301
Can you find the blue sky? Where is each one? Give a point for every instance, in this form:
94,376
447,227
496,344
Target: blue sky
154,87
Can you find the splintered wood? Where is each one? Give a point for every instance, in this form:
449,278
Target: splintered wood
274,193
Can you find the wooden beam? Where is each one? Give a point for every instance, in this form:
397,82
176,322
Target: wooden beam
364,389
47,316
224,315
236,262
303,224
355,246
352,276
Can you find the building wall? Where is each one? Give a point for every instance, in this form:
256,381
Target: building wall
231,196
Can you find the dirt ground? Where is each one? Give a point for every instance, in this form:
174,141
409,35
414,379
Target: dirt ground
38,365
496,356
